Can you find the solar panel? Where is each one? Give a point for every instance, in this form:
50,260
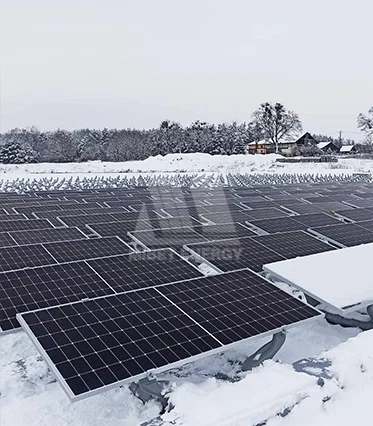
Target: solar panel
223,231
293,244
173,222
266,213
366,224
12,217
19,257
348,234
46,235
81,220
174,238
302,208
20,225
280,224
233,254
236,306
357,214
331,206
86,249
29,289
6,240
119,229
366,203
316,219
52,216
107,341
140,270
228,216
110,340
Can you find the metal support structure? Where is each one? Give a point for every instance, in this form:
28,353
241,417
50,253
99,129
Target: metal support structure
268,351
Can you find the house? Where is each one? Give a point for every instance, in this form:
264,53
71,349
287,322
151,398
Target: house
328,147
284,146
261,147
348,149
306,139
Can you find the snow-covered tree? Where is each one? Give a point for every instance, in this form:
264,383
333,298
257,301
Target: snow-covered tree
365,122
276,122
14,153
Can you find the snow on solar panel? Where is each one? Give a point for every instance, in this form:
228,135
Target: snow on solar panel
46,235
35,288
101,343
329,278
140,270
348,234
67,251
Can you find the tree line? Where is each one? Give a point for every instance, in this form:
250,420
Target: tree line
270,121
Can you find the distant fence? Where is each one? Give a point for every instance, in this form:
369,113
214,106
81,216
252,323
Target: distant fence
321,159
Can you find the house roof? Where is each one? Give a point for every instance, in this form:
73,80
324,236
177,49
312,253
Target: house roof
262,142
322,145
347,148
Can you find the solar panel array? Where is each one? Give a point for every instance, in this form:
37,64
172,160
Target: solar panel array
111,340
27,289
108,298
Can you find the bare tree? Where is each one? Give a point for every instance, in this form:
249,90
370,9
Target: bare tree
276,122
365,123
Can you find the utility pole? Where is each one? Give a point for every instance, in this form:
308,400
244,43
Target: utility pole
340,138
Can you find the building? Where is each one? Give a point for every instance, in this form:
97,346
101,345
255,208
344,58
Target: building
284,146
328,147
261,147
348,149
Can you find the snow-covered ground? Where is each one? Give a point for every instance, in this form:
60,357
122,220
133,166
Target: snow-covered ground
30,396
185,163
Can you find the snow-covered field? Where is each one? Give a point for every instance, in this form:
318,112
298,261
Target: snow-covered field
185,163
274,394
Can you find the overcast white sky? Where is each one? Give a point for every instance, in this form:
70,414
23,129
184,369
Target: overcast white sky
133,63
